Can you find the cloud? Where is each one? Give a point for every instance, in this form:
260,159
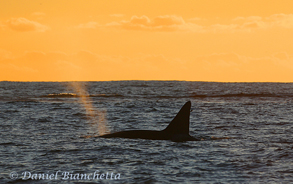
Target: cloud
85,65
168,20
250,18
275,20
281,20
166,23
177,23
22,24
143,20
252,25
249,23
259,68
169,23
172,23
221,28
160,23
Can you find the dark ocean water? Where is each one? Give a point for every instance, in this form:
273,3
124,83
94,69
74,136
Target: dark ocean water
50,127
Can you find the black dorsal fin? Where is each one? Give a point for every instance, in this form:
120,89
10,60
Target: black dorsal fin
180,124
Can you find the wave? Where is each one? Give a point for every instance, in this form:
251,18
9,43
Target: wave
251,95
61,95
192,95
73,95
106,95
236,95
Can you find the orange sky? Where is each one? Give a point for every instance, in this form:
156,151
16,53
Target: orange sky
85,40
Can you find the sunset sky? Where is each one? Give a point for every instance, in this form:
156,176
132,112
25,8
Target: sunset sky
194,40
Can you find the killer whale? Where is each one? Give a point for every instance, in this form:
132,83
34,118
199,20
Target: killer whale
177,130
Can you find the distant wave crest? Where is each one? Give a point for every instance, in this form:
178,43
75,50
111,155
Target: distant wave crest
194,95
61,95
73,95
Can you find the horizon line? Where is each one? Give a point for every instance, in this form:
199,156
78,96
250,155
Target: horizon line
151,80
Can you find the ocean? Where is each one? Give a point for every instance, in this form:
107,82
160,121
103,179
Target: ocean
49,132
